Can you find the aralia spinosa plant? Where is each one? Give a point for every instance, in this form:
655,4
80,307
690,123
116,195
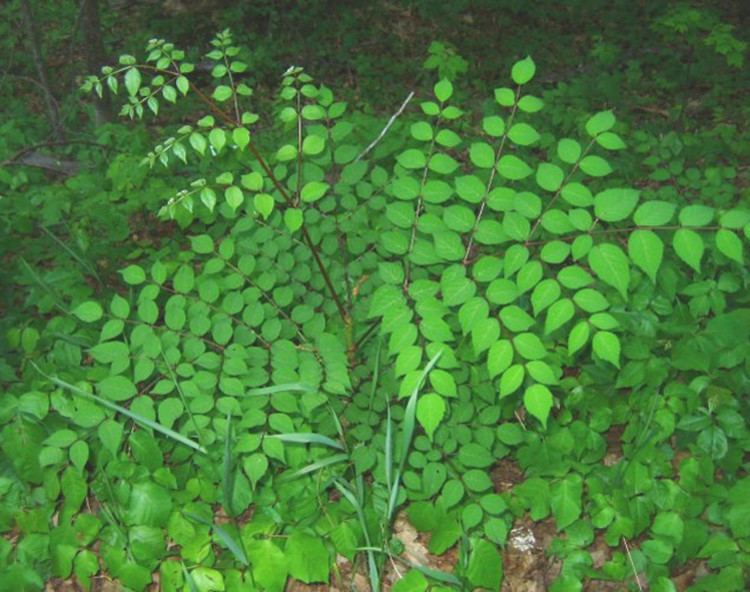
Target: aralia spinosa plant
485,273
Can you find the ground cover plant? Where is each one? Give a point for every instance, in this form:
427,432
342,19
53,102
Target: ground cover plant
380,353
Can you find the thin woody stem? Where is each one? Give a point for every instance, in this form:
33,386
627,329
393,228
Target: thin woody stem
491,179
284,194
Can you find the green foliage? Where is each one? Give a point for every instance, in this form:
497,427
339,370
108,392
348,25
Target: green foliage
349,330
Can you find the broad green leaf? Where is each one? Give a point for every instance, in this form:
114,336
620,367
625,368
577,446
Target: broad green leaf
133,275
595,166
255,467
412,159
696,215
600,123
293,219
729,245
569,151
578,337
202,244
565,500
688,245
529,346
654,213
499,357
549,176
443,90
494,126
513,168
234,196
611,264
313,191
422,131
523,134
610,141
523,71
606,345
538,401
89,312
485,568
614,205
511,380
263,203
546,292
482,155
241,137
430,412
646,251
307,557
558,314
132,81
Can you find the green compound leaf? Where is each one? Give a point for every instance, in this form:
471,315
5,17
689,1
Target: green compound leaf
430,412
646,251
611,264
606,345
538,401
688,245
523,71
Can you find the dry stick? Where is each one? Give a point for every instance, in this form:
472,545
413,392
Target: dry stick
388,125
299,149
632,564
558,192
491,179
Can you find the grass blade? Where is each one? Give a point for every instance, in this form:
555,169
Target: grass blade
189,578
296,387
126,412
372,567
85,264
307,438
331,460
408,433
226,538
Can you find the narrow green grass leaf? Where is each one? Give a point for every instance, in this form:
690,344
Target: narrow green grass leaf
296,387
308,438
122,410
331,460
227,539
